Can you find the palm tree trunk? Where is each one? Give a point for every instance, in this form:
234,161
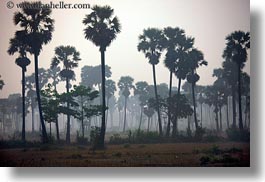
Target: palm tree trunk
240,124
23,106
201,115
194,105
50,130
32,116
57,129
169,107
107,112
44,132
221,122
82,121
174,131
68,139
227,116
216,119
125,107
141,117
234,106
103,124
148,124
56,122
157,102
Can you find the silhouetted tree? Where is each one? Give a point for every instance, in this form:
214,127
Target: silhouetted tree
177,45
195,59
16,45
69,57
2,83
151,44
101,29
237,44
37,27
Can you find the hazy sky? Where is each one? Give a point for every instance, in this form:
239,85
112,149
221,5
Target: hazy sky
209,21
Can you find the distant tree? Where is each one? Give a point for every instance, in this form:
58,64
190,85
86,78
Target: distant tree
37,27
91,75
151,44
141,90
102,28
149,112
110,90
69,57
50,105
84,97
237,44
125,84
246,92
2,83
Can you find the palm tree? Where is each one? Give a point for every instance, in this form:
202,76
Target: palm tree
195,59
2,83
151,44
237,44
37,27
125,84
22,61
102,28
69,57
110,90
177,45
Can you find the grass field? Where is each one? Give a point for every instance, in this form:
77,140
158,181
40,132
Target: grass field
179,154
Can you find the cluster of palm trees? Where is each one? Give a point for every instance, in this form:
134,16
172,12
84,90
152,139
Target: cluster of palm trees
181,58
101,27
36,30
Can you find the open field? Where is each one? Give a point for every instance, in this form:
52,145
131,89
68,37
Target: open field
180,154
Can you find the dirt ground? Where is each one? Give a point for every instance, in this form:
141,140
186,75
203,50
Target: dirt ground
180,154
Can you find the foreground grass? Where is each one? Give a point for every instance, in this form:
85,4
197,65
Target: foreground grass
180,154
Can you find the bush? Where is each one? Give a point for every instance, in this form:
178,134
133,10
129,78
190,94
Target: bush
199,133
81,140
117,139
94,136
235,134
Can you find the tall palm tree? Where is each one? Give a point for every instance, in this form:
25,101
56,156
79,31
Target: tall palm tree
151,44
177,45
237,44
36,28
69,57
195,59
125,84
102,28
2,83
22,61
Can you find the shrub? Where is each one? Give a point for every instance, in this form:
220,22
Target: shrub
81,140
235,134
204,160
94,136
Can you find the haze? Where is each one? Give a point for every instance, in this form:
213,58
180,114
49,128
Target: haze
209,21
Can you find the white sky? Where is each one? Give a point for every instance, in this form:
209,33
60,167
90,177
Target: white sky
209,21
